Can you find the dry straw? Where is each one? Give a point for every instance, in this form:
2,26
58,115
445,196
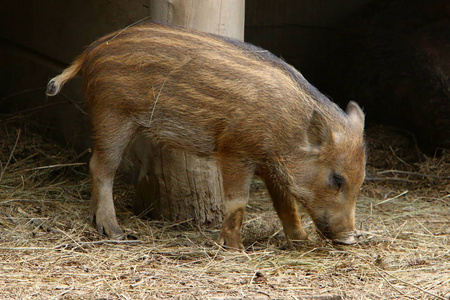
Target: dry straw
49,249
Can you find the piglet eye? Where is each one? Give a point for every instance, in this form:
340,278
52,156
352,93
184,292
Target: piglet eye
336,181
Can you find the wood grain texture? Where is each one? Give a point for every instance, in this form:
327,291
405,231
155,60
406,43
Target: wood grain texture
175,185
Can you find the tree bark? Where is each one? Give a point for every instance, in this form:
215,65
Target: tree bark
174,185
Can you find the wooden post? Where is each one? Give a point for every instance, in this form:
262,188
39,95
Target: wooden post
223,17
174,185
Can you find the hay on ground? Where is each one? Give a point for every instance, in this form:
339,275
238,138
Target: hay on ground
49,249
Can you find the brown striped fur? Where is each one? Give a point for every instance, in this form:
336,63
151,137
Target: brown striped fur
211,95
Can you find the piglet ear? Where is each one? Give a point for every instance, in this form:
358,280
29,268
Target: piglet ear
319,132
355,115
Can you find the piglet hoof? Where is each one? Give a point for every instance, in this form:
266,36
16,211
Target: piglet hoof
297,243
346,240
108,226
231,244
233,247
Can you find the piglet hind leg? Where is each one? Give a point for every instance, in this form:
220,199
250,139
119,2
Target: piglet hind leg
236,184
102,204
103,165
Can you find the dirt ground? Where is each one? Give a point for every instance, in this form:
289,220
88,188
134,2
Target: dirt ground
49,249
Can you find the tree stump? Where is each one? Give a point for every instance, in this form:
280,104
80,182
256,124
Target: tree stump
174,185
177,186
